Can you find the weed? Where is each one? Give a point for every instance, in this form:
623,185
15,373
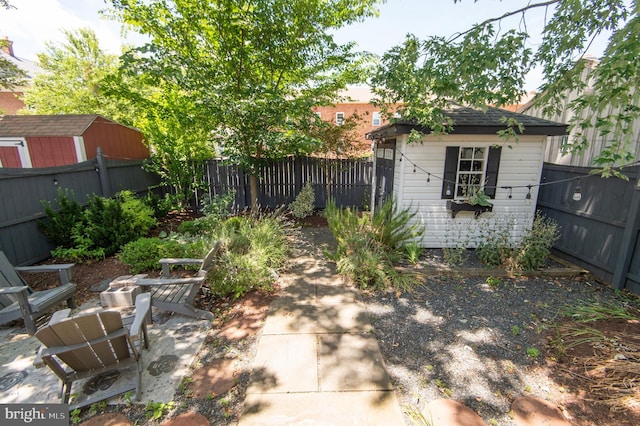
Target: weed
493,422
155,410
418,417
184,386
128,396
97,407
493,282
533,353
527,388
412,252
75,415
442,386
592,312
224,402
515,330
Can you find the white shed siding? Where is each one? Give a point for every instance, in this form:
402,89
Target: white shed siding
520,165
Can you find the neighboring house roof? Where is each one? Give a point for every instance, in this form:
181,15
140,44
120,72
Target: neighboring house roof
469,121
46,125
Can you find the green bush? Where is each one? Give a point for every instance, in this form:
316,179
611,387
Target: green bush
304,203
57,228
161,206
143,254
255,249
537,242
105,226
219,206
369,247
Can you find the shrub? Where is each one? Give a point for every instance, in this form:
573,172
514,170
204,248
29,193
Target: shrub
219,206
105,226
161,206
304,203
59,224
496,247
255,249
412,252
368,247
143,254
537,242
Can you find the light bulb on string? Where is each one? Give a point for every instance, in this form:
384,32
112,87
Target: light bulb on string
577,192
510,194
528,196
414,168
428,177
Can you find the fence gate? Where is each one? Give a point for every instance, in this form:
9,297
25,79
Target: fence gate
385,160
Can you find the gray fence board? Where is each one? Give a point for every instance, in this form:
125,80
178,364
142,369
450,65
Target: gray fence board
279,183
593,229
23,191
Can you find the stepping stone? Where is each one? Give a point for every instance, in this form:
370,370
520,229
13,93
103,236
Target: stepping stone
107,419
447,412
213,379
532,411
187,419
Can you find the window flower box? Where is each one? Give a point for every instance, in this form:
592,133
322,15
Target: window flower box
463,206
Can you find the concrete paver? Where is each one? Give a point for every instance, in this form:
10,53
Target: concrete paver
285,363
317,361
322,409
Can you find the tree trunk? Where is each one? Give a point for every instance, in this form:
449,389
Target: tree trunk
253,183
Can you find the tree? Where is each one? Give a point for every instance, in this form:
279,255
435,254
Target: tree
10,75
254,67
488,65
73,79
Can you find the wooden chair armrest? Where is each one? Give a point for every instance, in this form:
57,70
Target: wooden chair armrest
168,262
143,305
13,290
58,316
64,270
145,282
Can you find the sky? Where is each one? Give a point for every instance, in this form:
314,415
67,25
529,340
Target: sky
34,23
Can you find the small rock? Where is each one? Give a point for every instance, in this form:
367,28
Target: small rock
188,419
107,419
447,412
532,411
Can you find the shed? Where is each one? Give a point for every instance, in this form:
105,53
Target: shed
434,176
55,140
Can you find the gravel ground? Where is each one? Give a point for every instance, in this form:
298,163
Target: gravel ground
468,340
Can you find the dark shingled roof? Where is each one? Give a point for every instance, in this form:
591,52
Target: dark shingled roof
470,121
46,125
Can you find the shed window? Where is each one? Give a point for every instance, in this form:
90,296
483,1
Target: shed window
469,169
339,118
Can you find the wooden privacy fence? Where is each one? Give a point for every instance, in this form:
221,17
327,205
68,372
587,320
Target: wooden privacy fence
23,189
600,231
348,182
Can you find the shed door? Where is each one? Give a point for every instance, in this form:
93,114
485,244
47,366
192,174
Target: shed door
385,160
14,153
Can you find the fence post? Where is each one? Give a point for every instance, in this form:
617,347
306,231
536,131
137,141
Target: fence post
103,173
628,242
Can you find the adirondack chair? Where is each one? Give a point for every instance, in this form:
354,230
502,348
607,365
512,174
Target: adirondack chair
178,294
18,300
87,345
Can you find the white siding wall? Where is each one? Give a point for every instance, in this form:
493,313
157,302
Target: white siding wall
520,165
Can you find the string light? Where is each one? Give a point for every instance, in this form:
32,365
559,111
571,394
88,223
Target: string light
577,193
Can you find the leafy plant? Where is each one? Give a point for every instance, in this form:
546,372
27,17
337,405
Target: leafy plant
57,228
143,254
106,225
537,242
533,352
155,410
368,247
304,203
493,282
515,330
219,206
161,206
75,415
412,252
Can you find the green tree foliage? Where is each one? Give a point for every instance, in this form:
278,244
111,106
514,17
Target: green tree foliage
73,79
488,64
253,68
10,75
